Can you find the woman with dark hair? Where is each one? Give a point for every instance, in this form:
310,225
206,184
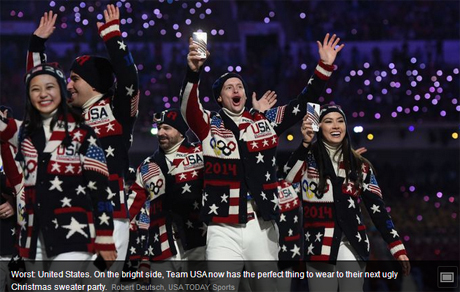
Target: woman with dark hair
64,212
334,180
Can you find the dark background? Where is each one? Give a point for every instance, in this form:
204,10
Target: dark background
397,78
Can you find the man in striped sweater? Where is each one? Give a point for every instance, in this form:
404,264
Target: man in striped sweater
240,199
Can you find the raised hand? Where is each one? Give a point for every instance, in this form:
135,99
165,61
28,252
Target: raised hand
194,60
361,150
328,49
46,26
266,102
307,131
111,13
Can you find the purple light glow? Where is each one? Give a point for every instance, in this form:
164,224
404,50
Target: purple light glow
439,195
377,116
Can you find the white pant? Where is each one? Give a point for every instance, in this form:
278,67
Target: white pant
347,260
241,246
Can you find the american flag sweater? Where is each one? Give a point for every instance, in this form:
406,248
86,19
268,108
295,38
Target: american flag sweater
329,216
289,223
11,183
113,116
241,159
174,194
65,195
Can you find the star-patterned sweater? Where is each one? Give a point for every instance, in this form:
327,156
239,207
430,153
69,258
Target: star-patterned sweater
240,159
11,181
289,224
65,195
113,116
336,213
174,192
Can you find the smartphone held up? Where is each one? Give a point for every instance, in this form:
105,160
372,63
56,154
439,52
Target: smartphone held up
313,115
201,39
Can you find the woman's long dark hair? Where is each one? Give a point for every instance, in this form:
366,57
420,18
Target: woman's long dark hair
352,161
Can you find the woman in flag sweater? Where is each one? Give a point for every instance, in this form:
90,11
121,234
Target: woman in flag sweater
334,179
64,212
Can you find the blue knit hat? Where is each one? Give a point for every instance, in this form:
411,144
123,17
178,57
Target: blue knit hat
219,83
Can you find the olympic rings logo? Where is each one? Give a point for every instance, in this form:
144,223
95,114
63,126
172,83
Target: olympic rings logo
155,187
220,147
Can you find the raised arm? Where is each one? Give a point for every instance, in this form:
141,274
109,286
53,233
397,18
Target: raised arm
36,53
284,117
191,108
126,97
